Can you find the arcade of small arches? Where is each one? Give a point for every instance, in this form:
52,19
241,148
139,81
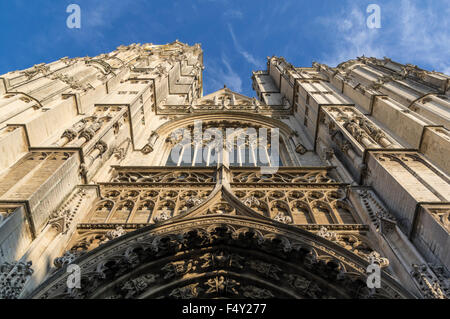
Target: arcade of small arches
148,204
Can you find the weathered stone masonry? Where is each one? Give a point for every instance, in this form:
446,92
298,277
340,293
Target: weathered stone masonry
86,177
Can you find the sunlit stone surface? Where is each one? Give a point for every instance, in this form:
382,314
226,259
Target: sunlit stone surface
89,176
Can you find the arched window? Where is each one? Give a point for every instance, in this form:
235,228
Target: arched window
143,212
121,214
344,212
280,212
102,211
301,213
322,213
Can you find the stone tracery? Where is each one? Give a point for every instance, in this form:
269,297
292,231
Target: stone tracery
91,182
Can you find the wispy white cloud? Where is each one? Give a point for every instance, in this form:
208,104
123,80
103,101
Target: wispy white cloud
412,31
353,38
231,77
220,74
247,56
445,70
97,13
98,18
425,34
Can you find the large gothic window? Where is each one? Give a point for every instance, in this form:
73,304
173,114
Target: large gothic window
237,146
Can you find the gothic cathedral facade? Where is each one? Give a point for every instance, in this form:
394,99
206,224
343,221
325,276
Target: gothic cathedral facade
331,183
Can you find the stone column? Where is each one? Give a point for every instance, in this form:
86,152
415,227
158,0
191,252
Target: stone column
70,134
99,149
87,134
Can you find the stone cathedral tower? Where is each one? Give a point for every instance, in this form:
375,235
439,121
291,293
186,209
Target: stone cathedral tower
352,172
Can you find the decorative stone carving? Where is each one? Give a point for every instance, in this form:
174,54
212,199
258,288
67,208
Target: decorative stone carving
300,149
428,283
179,268
443,276
193,201
325,233
282,218
133,287
35,70
105,67
147,149
188,292
68,61
251,201
101,146
166,177
127,258
13,277
297,282
163,215
116,233
358,133
66,259
223,259
359,126
378,214
62,218
88,133
354,244
221,285
297,176
269,270
71,82
70,134
375,258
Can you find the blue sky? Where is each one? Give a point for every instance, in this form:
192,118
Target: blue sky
236,36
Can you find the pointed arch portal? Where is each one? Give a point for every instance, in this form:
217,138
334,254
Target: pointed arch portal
220,256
